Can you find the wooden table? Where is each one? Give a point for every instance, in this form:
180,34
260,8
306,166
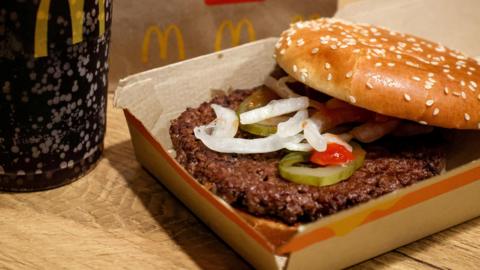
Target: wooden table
118,216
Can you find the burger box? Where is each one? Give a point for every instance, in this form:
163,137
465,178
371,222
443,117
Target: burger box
153,98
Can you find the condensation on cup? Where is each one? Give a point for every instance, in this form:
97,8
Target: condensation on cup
53,90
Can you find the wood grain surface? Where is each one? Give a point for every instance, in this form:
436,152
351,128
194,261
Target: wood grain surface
119,217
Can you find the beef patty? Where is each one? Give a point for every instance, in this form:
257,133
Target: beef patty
252,182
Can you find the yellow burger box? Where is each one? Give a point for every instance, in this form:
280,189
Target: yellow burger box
153,98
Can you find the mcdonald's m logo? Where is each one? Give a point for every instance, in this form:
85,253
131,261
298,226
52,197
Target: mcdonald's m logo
235,32
299,18
76,17
162,38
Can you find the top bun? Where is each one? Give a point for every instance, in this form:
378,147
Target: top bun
384,71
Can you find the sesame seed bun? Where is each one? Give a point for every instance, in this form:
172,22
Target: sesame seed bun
384,71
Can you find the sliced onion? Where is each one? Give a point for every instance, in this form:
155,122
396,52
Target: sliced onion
332,138
274,108
293,125
372,131
312,134
345,136
280,87
226,124
301,147
244,146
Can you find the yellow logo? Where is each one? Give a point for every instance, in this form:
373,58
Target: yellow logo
235,32
162,38
77,14
299,18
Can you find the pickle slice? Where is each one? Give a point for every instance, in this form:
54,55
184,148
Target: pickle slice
259,98
321,176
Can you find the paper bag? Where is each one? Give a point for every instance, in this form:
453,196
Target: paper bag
153,33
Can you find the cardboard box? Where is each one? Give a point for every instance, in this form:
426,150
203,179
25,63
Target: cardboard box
151,99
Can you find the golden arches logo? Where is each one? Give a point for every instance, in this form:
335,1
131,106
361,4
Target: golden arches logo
235,32
299,18
76,17
162,38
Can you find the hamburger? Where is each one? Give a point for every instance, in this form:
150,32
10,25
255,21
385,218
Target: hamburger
351,113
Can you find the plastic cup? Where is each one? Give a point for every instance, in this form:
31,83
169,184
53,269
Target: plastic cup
53,90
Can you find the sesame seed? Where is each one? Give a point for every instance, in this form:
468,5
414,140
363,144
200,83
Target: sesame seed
450,77
399,56
429,102
378,64
304,74
349,74
415,78
380,52
315,50
428,85
369,85
467,117
472,88
464,96
329,77
409,63
430,74
407,97
446,70
474,84
352,99
391,64
356,50
445,90
417,49
478,97
300,42
423,122
295,68
333,46
456,94
327,65
282,52
436,111
462,82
